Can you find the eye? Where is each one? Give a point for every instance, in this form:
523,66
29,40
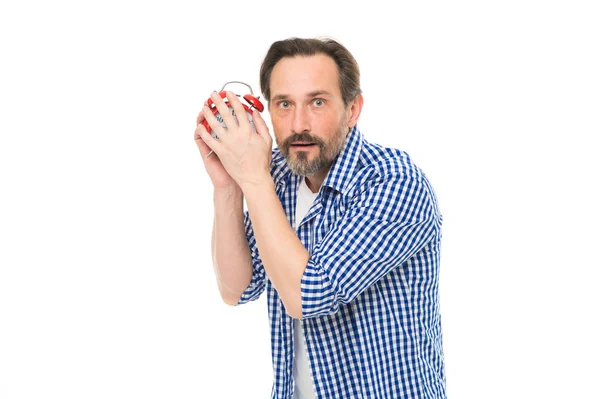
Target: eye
284,104
318,102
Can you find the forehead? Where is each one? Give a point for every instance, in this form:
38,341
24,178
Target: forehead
297,76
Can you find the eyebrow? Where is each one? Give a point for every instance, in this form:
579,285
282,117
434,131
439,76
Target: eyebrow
315,93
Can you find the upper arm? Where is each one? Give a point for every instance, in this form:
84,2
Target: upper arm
386,223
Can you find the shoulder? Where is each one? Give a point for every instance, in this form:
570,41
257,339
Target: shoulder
379,164
389,175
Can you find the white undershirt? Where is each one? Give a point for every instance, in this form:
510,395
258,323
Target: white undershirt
302,377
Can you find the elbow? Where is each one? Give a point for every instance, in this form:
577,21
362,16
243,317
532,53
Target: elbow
294,309
296,314
230,300
229,296
231,303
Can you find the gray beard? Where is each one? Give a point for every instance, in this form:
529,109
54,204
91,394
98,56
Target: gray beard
300,164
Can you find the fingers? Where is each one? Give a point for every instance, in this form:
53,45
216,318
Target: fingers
223,109
205,141
200,118
240,112
215,125
243,121
261,127
202,146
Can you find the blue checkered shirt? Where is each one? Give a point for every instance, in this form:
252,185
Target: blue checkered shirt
370,303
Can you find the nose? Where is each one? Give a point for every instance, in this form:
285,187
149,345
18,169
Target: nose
301,120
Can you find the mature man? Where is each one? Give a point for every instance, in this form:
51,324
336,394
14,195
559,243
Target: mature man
343,234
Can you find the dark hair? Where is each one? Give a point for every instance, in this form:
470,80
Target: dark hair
349,74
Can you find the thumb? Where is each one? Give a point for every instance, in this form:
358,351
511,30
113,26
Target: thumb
202,146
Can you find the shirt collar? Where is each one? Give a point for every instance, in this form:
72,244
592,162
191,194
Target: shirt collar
341,171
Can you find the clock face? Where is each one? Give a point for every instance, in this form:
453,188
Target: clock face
222,122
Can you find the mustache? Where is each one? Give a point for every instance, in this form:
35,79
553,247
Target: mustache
304,137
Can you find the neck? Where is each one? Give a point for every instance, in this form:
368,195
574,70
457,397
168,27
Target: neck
315,181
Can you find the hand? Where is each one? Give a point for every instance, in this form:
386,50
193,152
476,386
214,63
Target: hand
245,155
217,173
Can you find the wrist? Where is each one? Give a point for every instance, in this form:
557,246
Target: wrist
229,193
260,185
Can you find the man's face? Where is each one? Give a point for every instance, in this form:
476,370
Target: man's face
309,119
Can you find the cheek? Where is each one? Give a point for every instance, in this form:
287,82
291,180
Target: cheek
278,122
327,124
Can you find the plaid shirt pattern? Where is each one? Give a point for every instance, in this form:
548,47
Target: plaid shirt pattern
370,303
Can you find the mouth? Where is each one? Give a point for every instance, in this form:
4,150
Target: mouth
302,144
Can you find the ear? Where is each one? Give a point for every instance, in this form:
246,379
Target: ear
354,109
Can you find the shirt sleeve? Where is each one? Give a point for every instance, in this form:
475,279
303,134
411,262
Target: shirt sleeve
257,284
387,222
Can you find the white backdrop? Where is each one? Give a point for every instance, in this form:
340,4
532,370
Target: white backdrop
106,282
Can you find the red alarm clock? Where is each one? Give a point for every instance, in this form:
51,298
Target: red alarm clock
253,103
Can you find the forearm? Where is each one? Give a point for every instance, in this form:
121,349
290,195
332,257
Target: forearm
230,252
282,253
